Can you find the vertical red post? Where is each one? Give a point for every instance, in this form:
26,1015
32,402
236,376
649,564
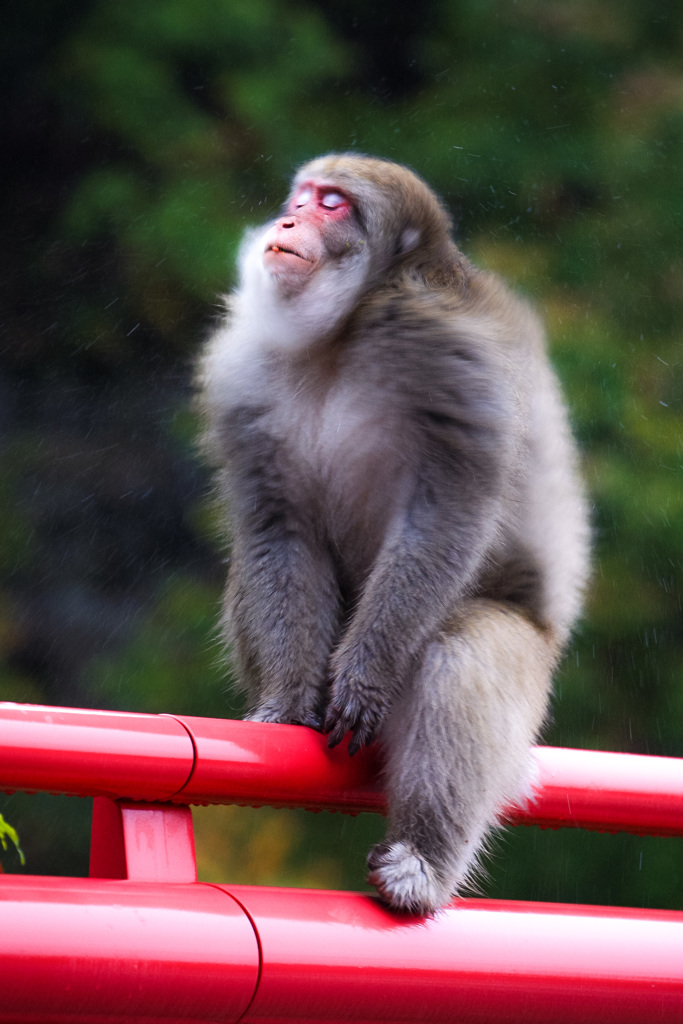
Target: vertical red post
142,842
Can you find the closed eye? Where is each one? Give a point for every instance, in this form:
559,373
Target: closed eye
332,200
303,197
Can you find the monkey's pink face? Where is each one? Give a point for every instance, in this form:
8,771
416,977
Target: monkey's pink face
296,244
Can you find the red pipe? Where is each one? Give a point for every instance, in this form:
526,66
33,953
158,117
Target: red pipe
282,766
341,957
606,792
157,945
202,760
92,753
90,951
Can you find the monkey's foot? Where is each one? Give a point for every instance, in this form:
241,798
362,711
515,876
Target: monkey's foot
404,879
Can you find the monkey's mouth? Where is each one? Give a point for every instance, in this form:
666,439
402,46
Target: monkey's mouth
286,251
282,257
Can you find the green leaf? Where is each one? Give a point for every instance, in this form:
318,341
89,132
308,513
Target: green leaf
7,832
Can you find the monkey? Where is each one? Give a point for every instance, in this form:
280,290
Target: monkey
408,524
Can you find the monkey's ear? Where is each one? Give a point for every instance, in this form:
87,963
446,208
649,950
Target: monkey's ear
409,240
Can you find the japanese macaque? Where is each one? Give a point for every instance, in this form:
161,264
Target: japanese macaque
409,533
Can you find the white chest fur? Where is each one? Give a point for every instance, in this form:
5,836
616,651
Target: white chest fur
349,454
340,434
339,431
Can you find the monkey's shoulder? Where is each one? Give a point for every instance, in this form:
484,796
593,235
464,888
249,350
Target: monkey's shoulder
483,313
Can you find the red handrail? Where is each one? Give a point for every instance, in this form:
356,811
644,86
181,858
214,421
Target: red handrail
202,760
142,940
89,951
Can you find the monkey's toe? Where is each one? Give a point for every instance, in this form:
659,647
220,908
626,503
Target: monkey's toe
405,880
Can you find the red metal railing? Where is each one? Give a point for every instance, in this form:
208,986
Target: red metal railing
203,760
142,940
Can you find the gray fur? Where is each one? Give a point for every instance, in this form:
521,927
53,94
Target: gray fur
409,531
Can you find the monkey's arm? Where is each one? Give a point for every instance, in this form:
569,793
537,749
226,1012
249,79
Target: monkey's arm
433,554
414,588
282,599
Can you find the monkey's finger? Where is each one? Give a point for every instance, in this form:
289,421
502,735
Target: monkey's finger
355,744
312,720
336,726
363,735
337,735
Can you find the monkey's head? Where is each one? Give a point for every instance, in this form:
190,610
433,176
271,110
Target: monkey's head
395,210
350,222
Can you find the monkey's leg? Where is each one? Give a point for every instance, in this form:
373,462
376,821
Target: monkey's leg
458,750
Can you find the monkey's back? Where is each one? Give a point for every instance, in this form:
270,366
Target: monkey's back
542,559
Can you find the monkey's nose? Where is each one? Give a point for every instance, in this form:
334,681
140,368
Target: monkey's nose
288,223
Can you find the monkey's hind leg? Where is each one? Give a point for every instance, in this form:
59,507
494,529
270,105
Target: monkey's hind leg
457,749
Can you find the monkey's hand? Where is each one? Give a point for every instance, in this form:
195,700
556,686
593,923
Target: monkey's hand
353,707
271,711
353,716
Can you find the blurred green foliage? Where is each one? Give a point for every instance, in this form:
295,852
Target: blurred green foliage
140,140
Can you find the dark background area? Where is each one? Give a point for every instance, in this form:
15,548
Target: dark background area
138,142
